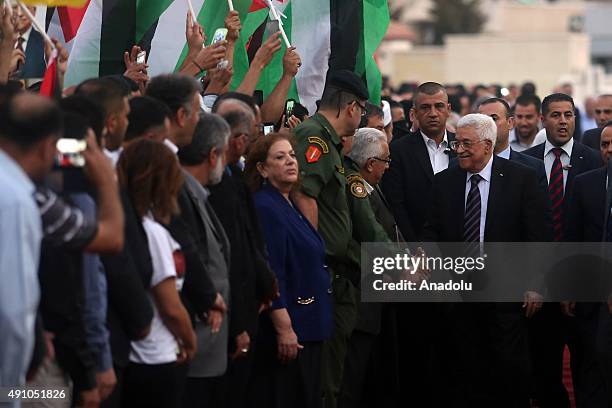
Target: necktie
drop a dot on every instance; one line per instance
(555, 192)
(471, 224)
(20, 42)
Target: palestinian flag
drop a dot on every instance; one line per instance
(110, 27)
(63, 23)
(329, 35)
(50, 86)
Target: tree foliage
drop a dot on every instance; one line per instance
(456, 17)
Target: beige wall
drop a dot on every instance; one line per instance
(509, 16)
(545, 59)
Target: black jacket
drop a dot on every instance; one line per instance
(582, 160)
(128, 277)
(586, 210)
(407, 184)
(251, 279)
(592, 138)
(515, 210)
(199, 292)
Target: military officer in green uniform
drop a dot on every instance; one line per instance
(369, 155)
(322, 199)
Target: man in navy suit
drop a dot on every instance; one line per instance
(416, 158)
(603, 114)
(407, 184)
(31, 43)
(563, 159)
(487, 198)
(586, 222)
(499, 110)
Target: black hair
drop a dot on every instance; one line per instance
(27, 125)
(528, 88)
(556, 97)
(108, 92)
(529, 99)
(498, 100)
(429, 88)
(249, 100)
(145, 114)
(75, 126)
(174, 90)
(89, 109)
(299, 111)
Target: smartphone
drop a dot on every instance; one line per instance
(272, 27)
(258, 96)
(289, 110)
(268, 128)
(219, 35)
(70, 153)
(141, 57)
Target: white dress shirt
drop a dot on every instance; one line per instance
(113, 155)
(549, 159)
(483, 187)
(438, 155)
(505, 153)
(26, 38)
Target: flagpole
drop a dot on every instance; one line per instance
(193, 15)
(9, 8)
(280, 23)
(35, 24)
(231, 5)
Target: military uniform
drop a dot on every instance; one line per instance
(366, 228)
(319, 152)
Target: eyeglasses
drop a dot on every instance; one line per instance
(386, 161)
(467, 145)
(363, 108)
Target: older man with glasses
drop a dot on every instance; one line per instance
(365, 164)
(485, 190)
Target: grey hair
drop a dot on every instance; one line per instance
(366, 144)
(483, 125)
(211, 132)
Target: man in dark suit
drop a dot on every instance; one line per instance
(31, 43)
(407, 185)
(586, 204)
(586, 221)
(416, 158)
(249, 271)
(202, 161)
(563, 159)
(487, 199)
(603, 114)
(499, 110)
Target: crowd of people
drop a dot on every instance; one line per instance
(159, 249)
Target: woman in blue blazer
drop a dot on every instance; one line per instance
(292, 332)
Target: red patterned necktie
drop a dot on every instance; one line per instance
(555, 192)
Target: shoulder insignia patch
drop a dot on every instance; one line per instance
(313, 153)
(318, 141)
(358, 189)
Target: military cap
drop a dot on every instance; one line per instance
(348, 81)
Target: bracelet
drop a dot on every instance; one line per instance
(197, 65)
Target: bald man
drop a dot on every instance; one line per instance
(603, 114)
